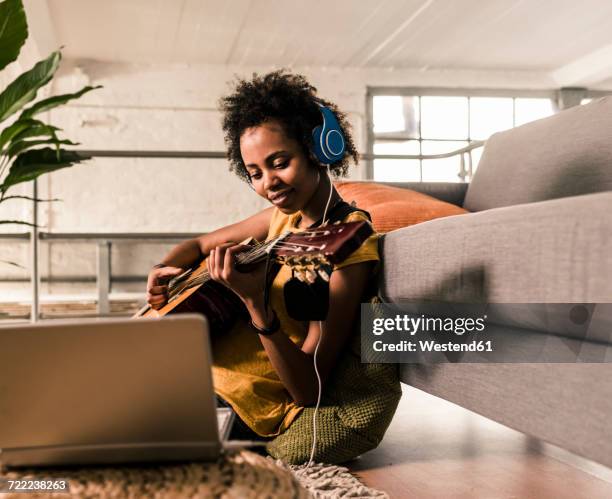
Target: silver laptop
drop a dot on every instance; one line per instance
(106, 391)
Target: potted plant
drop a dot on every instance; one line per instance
(29, 147)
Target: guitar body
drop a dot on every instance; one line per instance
(220, 305)
(169, 307)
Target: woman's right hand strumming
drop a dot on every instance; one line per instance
(157, 285)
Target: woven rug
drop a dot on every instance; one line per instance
(240, 475)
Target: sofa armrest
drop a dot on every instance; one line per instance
(550, 251)
(451, 192)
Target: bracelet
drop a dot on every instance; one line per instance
(158, 266)
(270, 330)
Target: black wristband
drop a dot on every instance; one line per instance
(158, 266)
(270, 330)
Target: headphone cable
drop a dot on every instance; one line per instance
(314, 416)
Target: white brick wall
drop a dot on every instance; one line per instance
(173, 108)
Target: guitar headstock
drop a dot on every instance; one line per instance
(314, 251)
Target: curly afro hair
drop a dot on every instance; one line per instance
(290, 100)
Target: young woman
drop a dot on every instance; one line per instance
(264, 369)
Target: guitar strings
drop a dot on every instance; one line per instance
(254, 255)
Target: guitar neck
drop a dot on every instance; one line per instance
(199, 275)
(309, 253)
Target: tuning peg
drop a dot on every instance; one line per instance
(324, 275)
(310, 275)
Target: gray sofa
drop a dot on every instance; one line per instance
(540, 232)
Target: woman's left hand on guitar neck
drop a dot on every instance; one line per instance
(248, 286)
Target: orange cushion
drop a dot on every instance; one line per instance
(393, 207)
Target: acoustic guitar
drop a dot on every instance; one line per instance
(311, 255)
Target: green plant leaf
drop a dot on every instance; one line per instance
(17, 147)
(13, 31)
(31, 164)
(23, 89)
(16, 128)
(18, 222)
(38, 129)
(51, 102)
(29, 198)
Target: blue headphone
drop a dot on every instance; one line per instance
(328, 141)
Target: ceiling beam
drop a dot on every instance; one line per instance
(396, 32)
(587, 70)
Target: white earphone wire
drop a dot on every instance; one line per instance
(331, 190)
(314, 417)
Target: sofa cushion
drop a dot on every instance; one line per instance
(557, 251)
(393, 207)
(567, 154)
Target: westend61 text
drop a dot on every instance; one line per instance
(433, 346)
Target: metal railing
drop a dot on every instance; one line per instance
(104, 241)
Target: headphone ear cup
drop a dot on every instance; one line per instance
(316, 145)
(328, 140)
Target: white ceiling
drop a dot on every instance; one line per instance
(570, 39)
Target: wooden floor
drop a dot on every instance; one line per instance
(436, 449)
(53, 309)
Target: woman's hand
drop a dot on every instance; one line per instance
(157, 285)
(249, 286)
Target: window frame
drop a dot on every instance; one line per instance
(373, 91)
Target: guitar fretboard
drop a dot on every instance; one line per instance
(187, 280)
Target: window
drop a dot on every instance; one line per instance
(439, 121)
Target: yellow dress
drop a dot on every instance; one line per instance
(242, 372)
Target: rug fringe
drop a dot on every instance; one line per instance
(328, 481)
